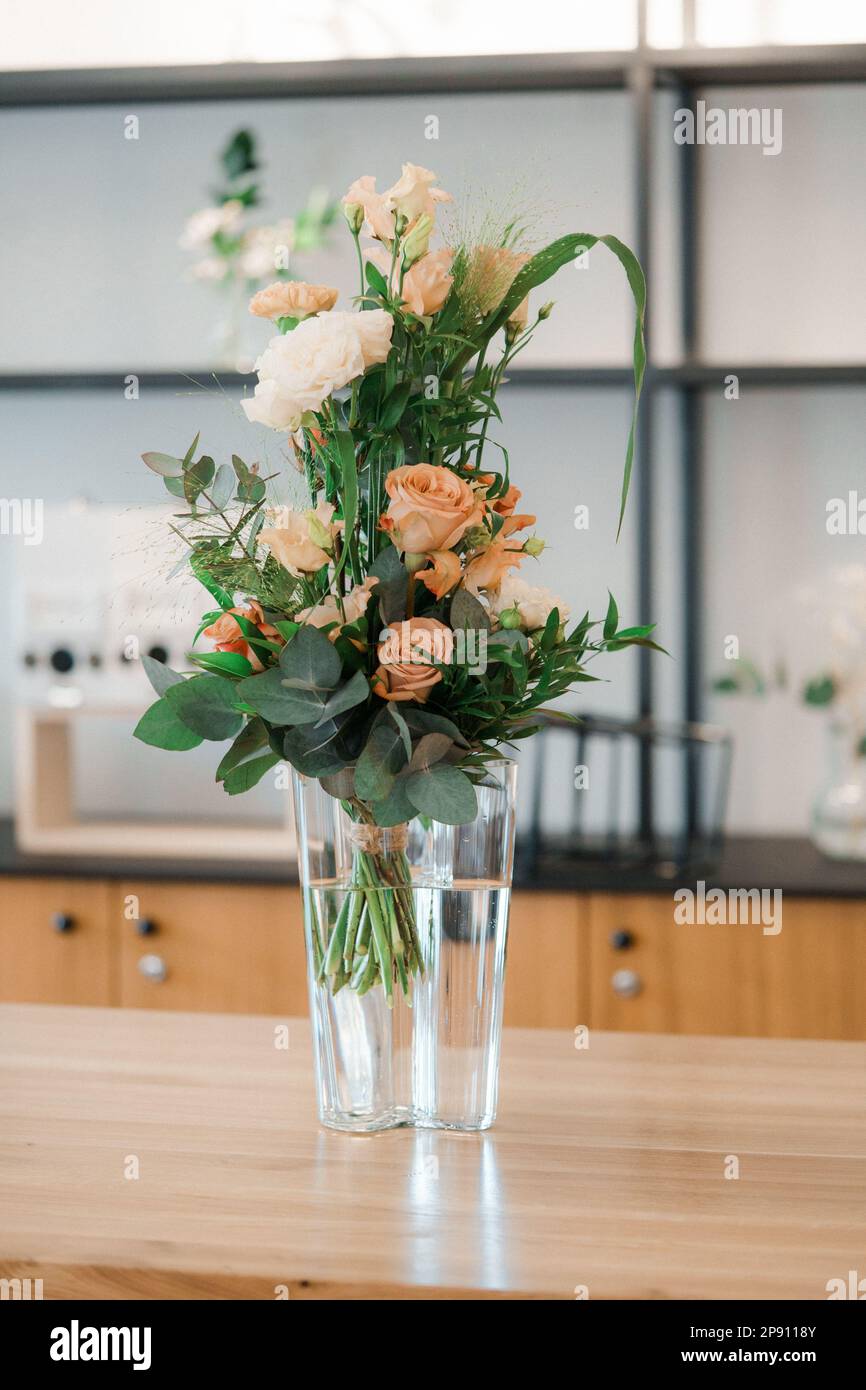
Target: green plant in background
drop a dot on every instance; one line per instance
(234, 251)
(385, 642)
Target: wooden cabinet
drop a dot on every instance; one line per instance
(545, 986)
(216, 948)
(56, 944)
(808, 981)
(611, 961)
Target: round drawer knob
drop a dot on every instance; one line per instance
(153, 968)
(145, 927)
(61, 921)
(621, 939)
(626, 983)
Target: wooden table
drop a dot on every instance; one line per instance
(606, 1170)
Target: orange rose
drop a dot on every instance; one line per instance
(228, 637)
(405, 672)
(444, 574)
(430, 508)
(488, 567)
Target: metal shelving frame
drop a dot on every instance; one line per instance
(640, 72)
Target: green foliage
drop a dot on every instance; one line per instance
(207, 705)
(161, 728)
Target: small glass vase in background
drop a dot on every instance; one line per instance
(839, 812)
(406, 933)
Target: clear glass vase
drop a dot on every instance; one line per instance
(839, 812)
(406, 932)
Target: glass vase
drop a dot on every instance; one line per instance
(839, 812)
(406, 933)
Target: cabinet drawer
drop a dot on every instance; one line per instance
(545, 986)
(211, 947)
(55, 942)
(807, 981)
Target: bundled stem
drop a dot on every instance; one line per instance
(374, 939)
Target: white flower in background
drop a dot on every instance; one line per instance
(266, 250)
(211, 268)
(299, 370)
(203, 226)
(532, 603)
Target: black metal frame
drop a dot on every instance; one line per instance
(641, 72)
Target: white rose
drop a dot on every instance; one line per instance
(374, 328)
(533, 604)
(267, 406)
(299, 370)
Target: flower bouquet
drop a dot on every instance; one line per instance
(382, 637)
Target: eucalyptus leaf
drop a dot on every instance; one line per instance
(395, 808)
(248, 774)
(207, 705)
(352, 693)
(393, 578)
(269, 696)
(467, 613)
(315, 752)
(382, 758)
(160, 727)
(223, 487)
(428, 751)
(164, 464)
(341, 785)
(425, 721)
(160, 675)
(309, 660)
(252, 737)
(444, 793)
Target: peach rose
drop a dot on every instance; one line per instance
(487, 568)
(378, 212)
(413, 193)
(430, 508)
(405, 672)
(228, 637)
(444, 574)
(426, 285)
(292, 299)
(326, 612)
(297, 541)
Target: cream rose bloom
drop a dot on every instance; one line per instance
(413, 193)
(292, 299)
(430, 508)
(299, 370)
(532, 603)
(378, 213)
(294, 539)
